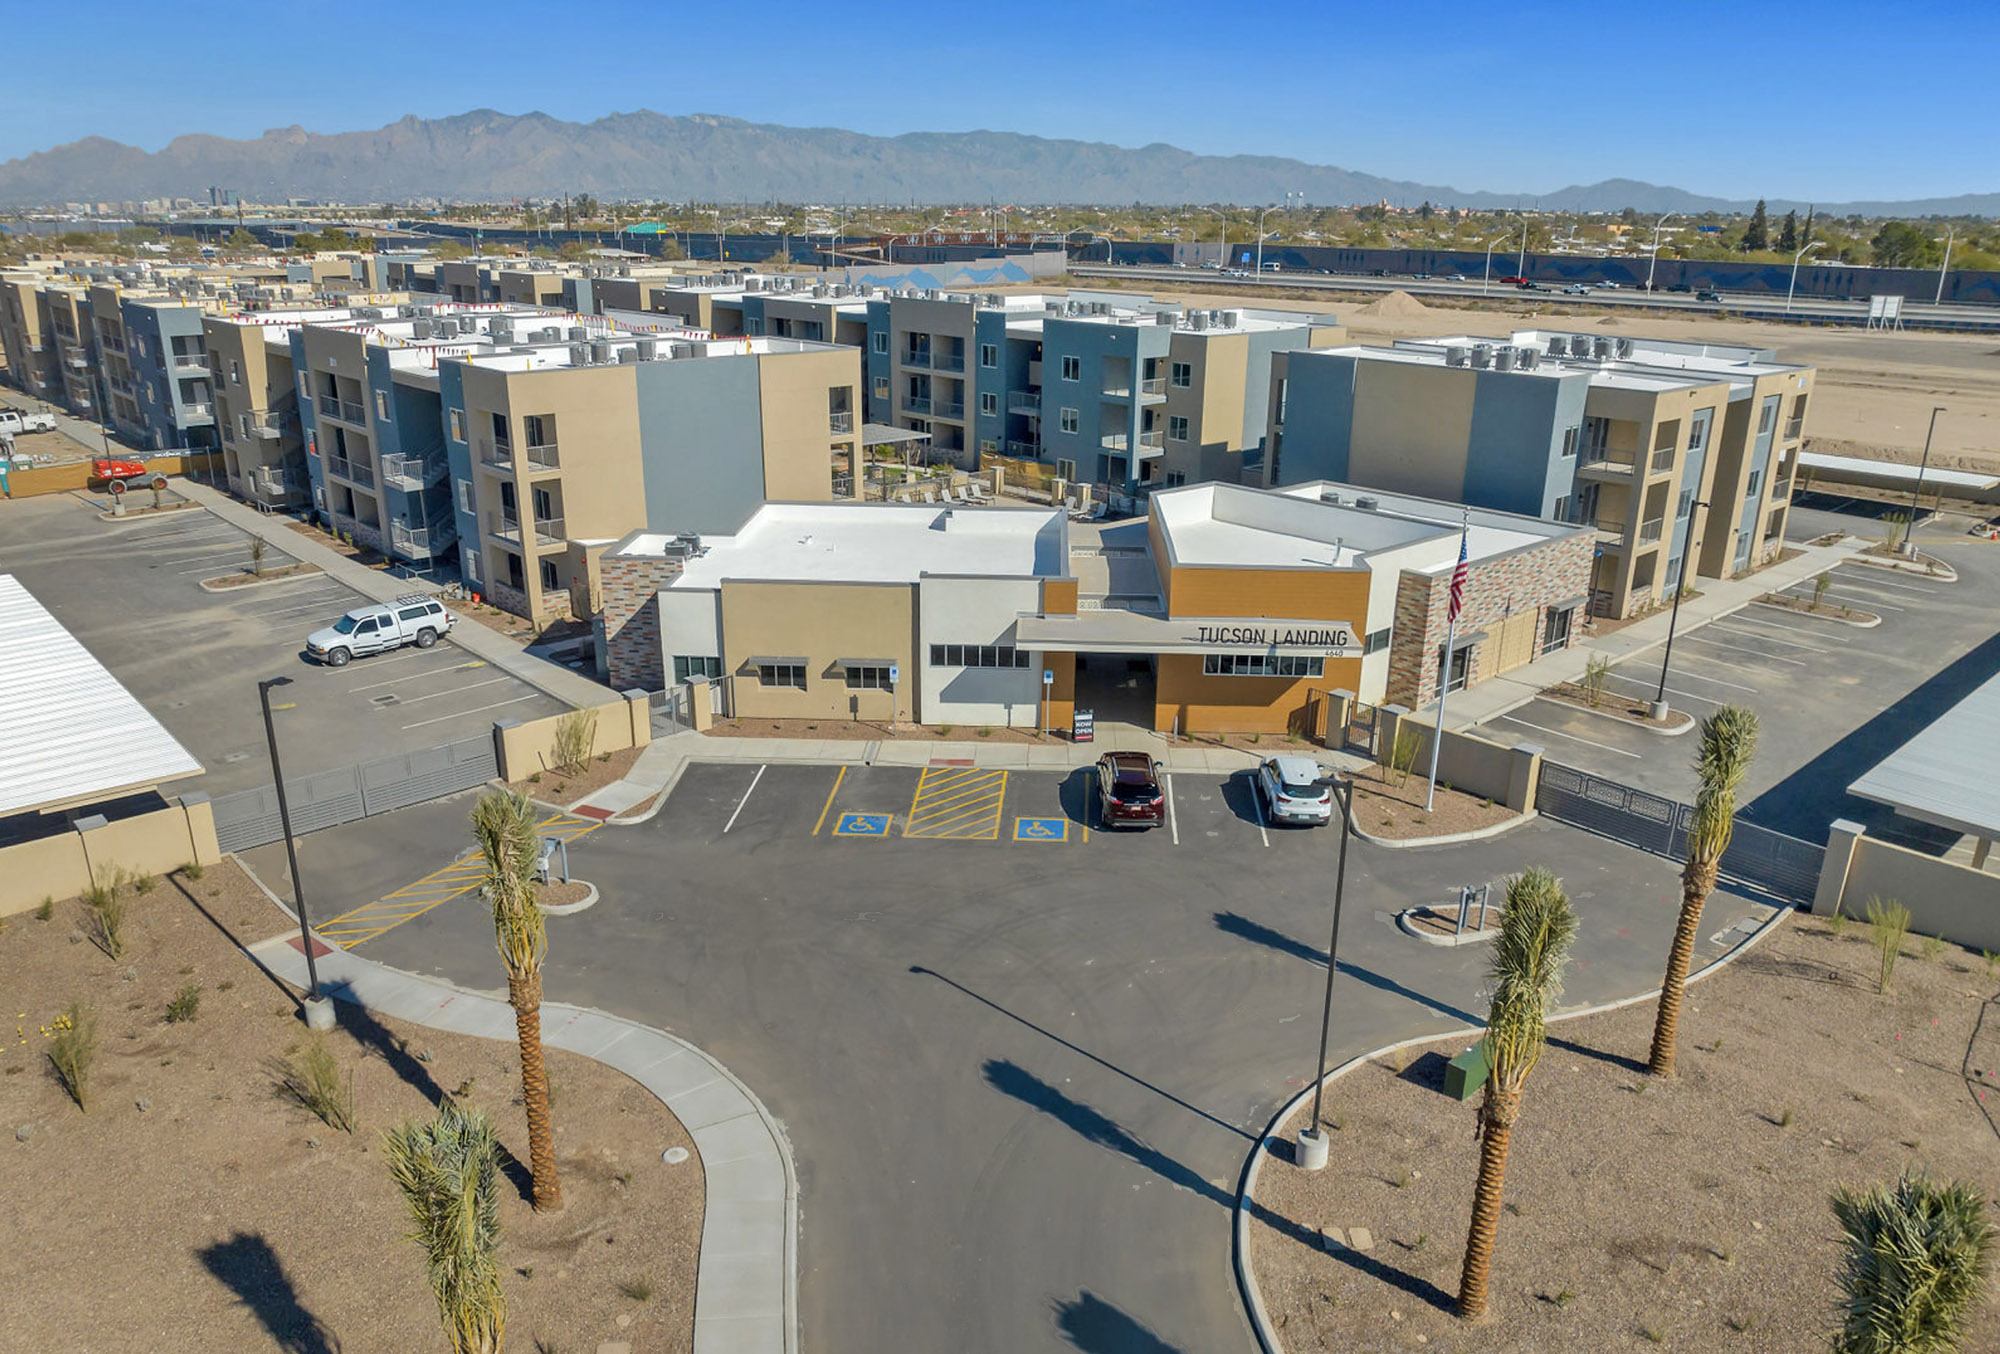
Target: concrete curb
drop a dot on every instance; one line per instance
(310, 571)
(746, 1295)
(1640, 725)
(1246, 1189)
(1869, 624)
(589, 900)
(1477, 834)
(1945, 573)
(1404, 925)
(145, 514)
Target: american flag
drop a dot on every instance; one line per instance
(1458, 579)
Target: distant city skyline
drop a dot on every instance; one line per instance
(1533, 99)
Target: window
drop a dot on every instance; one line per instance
(1072, 369)
(1561, 513)
(989, 354)
(1570, 436)
(305, 386)
(1176, 478)
(989, 403)
(1377, 641)
(1177, 428)
(549, 581)
(472, 567)
(1756, 483)
(978, 656)
(1068, 421)
(235, 372)
(988, 447)
(1767, 418)
(1183, 374)
(502, 434)
(1555, 630)
(1453, 675)
(414, 613)
(1066, 470)
(539, 429)
(457, 420)
(1261, 665)
(465, 503)
(696, 665)
(880, 340)
(869, 679)
(382, 405)
(1686, 504)
(881, 387)
(791, 675)
(1698, 431)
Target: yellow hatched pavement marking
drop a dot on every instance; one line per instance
(957, 803)
(435, 889)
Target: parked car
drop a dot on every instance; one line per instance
(1459, 277)
(412, 619)
(1576, 289)
(1708, 294)
(1680, 287)
(16, 421)
(1128, 791)
(1295, 790)
(1608, 286)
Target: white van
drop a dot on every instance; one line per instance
(15, 422)
(413, 619)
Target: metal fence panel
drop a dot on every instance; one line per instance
(326, 799)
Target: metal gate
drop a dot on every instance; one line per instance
(671, 711)
(1359, 735)
(1782, 866)
(326, 799)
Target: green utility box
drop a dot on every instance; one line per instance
(1465, 1074)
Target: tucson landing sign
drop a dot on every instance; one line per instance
(1319, 638)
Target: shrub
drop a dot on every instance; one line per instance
(575, 732)
(185, 1004)
(1820, 585)
(47, 908)
(143, 883)
(192, 870)
(105, 922)
(313, 1079)
(638, 1289)
(1888, 920)
(1403, 752)
(1930, 947)
(1915, 1265)
(258, 547)
(72, 1050)
(1595, 671)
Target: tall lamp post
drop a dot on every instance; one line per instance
(1910, 531)
(1659, 710)
(318, 1009)
(1486, 280)
(1312, 1149)
(1950, 232)
(1655, 261)
(1221, 236)
(1794, 286)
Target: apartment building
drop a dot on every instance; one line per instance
(25, 340)
(67, 309)
(1127, 393)
(1669, 451)
(257, 401)
(156, 343)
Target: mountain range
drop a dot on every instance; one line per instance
(485, 155)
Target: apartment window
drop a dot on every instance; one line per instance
(456, 418)
(989, 403)
(1182, 374)
(989, 354)
(502, 434)
(791, 675)
(549, 580)
(1177, 428)
(1570, 436)
(1068, 420)
(880, 339)
(696, 665)
(382, 405)
(539, 429)
(869, 679)
(1561, 513)
(1555, 630)
(1698, 431)
(881, 387)
(305, 386)
(1756, 483)
(472, 567)
(1176, 478)
(1686, 504)
(978, 656)
(988, 447)
(235, 372)
(1072, 369)
(1261, 665)
(1767, 418)
(1066, 470)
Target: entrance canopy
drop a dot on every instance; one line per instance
(1946, 774)
(1136, 632)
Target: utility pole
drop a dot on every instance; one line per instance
(1910, 531)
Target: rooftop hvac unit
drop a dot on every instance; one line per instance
(404, 312)
(1558, 345)
(1231, 318)
(1624, 347)
(1367, 504)
(1528, 359)
(648, 349)
(1215, 318)
(683, 349)
(821, 289)
(1482, 355)
(579, 354)
(552, 334)
(420, 329)
(1163, 317)
(1329, 496)
(577, 333)
(1455, 355)
(1603, 348)
(1503, 360)
(626, 355)
(1198, 320)
(600, 351)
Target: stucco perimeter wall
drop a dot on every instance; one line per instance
(1504, 775)
(525, 749)
(1955, 902)
(60, 865)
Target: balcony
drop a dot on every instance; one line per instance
(272, 482)
(947, 361)
(1024, 402)
(347, 411)
(1795, 428)
(1662, 462)
(354, 472)
(954, 409)
(77, 362)
(917, 404)
(1651, 530)
(1154, 385)
(267, 423)
(1604, 461)
(541, 456)
(196, 414)
(1149, 444)
(190, 361)
(840, 423)
(421, 542)
(506, 527)
(412, 473)
(1610, 532)
(916, 357)
(1027, 451)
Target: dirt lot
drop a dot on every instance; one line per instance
(195, 1207)
(557, 787)
(1689, 1214)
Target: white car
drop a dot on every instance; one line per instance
(413, 619)
(1295, 790)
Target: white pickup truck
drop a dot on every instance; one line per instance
(412, 619)
(16, 421)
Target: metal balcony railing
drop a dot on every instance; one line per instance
(507, 526)
(916, 404)
(355, 472)
(1024, 450)
(1606, 457)
(1652, 529)
(1795, 428)
(948, 409)
(1153, 385)
(495, 453)
(347, 411)
(1024, 402)
(840, 422)
(916, 357)
(198, 413)
(191, 361)
(414, 472)
(947, 361)
(265, 423)
(541, 456)
(1663, 459)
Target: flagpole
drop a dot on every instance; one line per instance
(1444, 675)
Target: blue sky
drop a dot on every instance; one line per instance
(1834, 101)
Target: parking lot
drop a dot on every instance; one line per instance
(1020, 1059)
(131, 593)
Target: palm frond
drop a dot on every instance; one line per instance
(1916, 1259)
(504, 825)
(1536, 932)
(448, 1171)
(1728, 742)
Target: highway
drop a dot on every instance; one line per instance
(1748, 305)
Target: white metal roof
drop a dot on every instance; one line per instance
(69, 731)
(1835, 467)
(1945, 774)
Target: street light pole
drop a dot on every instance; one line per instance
(1655, 261)
(1312, 1149)
(1521, 268)
(1260, 239)
(1487, 280)
(318, 1010)
(1949, 232)
(1910, 531)
(1659, 710)
(1810, 246)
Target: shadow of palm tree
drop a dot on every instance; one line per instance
(1095, 1326)
(251, 1270)
(1242, 927)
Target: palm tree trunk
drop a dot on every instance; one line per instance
(525, 993)
(1667, 1025)
(1496, 1132)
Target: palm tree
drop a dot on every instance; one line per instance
(1528, 958)
(1728, 741)
(504, 823)
(1916, 1260)
(448, 1170)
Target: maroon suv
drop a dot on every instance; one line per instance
(1128, 791)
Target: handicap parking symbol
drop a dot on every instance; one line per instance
(862, 825)
(1041, 829)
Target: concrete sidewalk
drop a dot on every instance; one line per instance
(382, 586)
(746, 1298)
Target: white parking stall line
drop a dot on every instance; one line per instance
(207, 563)
(454, 691)
(1737, 626)
(1922, 590)
(1558, 733)
(745, 800)
(1686, 675)
(296, 605)
(378, 662)
(1654, 685)
(1173, 820)
(419, 676)
(1838, 591)
(439, 719)
(1701, 638)
(179, 552)
(1257, 803)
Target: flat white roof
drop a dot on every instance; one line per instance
(1894, 470)
(1945, 775)
(875, 543)
(70, 733)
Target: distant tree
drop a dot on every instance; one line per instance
(1898, 244)
(241, 239)
(1757, 235)
(1425, 210)
(1788, 232)
(1806, 231)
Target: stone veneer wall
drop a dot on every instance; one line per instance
(631, 589)
(1495, 590)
